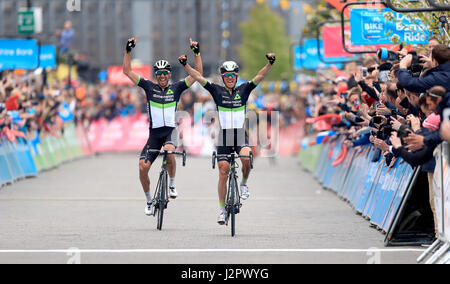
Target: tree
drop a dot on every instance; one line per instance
(265, 32)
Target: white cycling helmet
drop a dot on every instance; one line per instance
(229, 66)
(162, 65)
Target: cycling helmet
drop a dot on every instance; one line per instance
(162, 65)
(229, 66)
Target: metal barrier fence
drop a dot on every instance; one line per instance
(439, 252)
(26, 158)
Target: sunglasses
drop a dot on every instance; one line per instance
(159, 73)
(227, 75)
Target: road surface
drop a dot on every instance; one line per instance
(92, 211)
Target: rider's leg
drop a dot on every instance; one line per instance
(144, 169)
(171, 142)
(245, 151)
(224, 169)
(171, 162)
(246, 168)
(171, 168)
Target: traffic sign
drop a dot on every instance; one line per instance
(29, 21)
(25, 24)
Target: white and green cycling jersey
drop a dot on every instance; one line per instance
(232, 108)
(162, 103)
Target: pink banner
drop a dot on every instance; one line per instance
(131, 134)
(116, 76)
(120, 134)
(290, 139)
(332, 43)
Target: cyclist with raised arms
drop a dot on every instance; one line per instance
(231, 102)
(162, 99)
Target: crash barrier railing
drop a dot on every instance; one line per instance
(379, 193)
(439, 251)
(21, 158)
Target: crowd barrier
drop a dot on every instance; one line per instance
(21, 158)
(360, 177)
(439, 252)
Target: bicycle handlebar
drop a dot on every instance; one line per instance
(235, 155)
(216, 156)
(164, 152)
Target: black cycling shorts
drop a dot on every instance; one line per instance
(231, 141)
(158, 138)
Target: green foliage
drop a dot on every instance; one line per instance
(263, 33)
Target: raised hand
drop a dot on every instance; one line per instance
(195, 46)
(271, 57)
(131, 43)
(183, 60)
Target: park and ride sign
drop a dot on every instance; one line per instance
(384, 26)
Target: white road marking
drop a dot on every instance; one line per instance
(214, 251)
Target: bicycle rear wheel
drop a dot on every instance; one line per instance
(162, 200)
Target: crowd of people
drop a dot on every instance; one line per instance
(394, 100)
(27, 104)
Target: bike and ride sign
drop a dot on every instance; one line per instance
(384, 26)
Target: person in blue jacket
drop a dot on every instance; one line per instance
(437, 76)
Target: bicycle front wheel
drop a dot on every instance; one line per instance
(162, 200)
(232, 205)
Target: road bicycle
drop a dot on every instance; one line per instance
(233, 202)
(161, 197)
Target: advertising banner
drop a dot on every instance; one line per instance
(372, 26)
(116, 76)
(18, 54)
(332, 43)
(307, 56)
(48, 56)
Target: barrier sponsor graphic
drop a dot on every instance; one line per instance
(374, 190)
(20, 158)
(371, 26)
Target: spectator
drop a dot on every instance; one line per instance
(437, 76)
(66, 38)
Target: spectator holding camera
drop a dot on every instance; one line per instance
(439, 75)
(436, 101)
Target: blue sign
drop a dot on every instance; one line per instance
(306, 56)
(48, 56)
(18, 54)
(370, 27)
